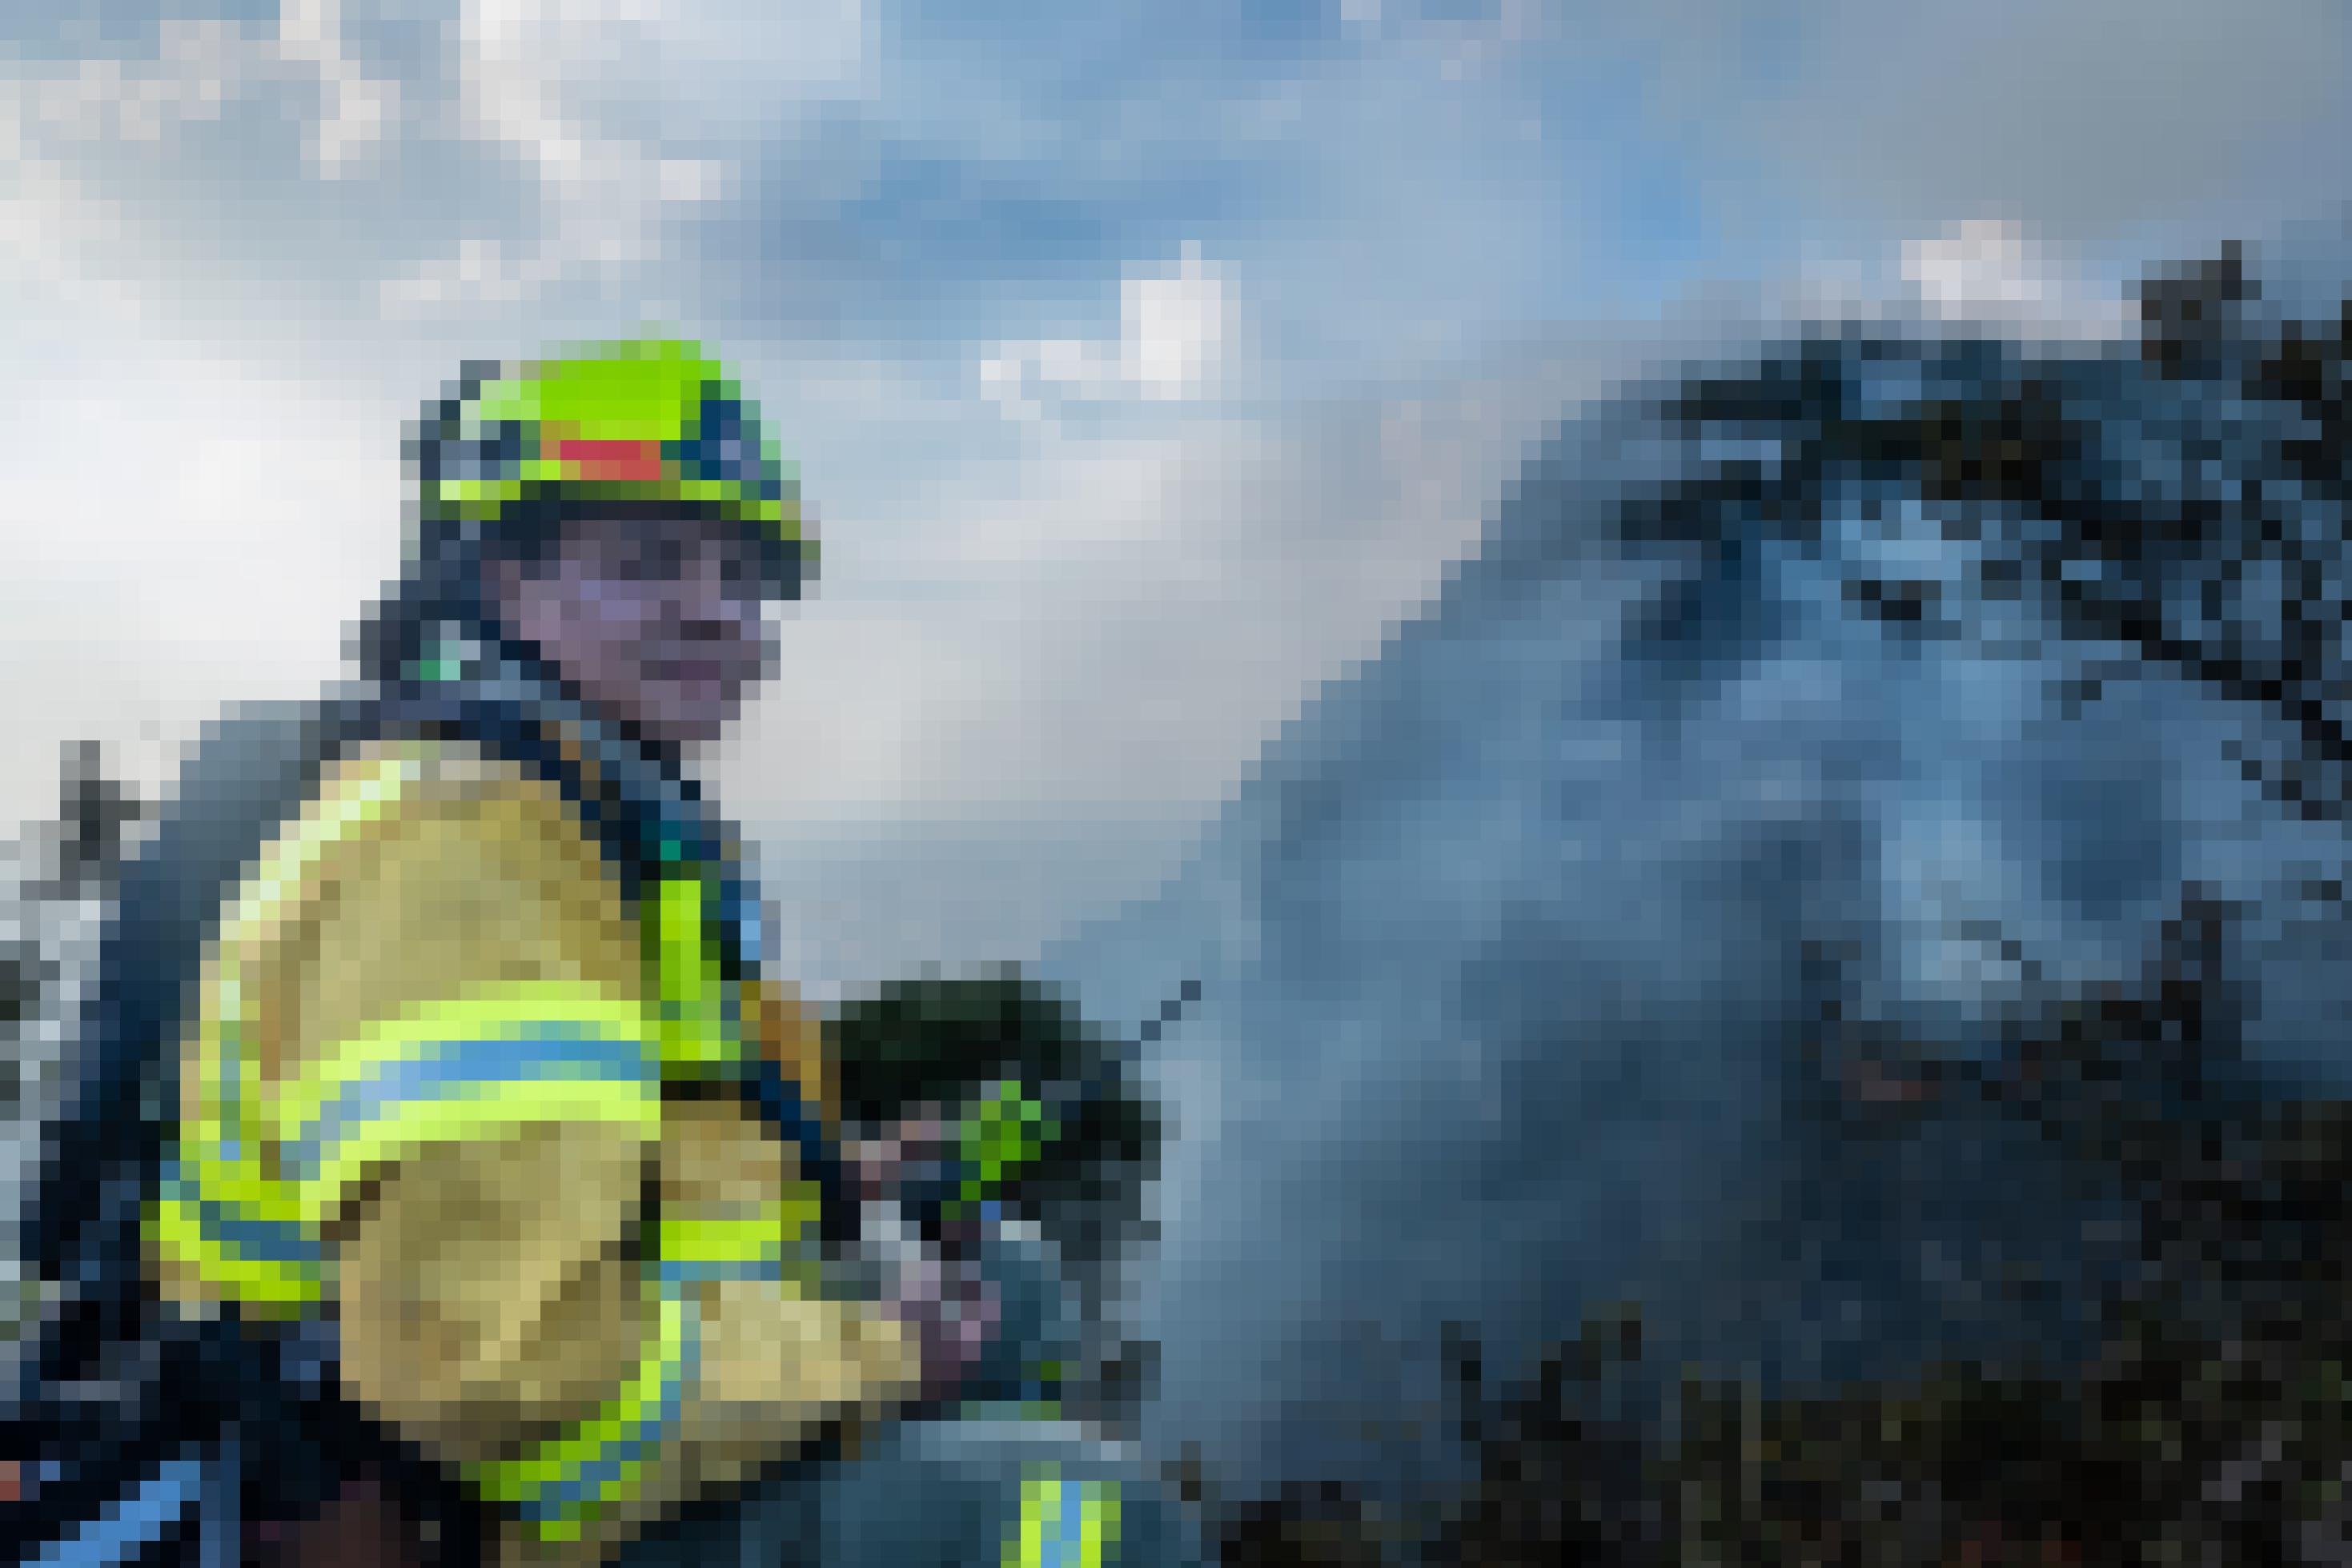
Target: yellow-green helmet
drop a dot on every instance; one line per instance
(641, 423)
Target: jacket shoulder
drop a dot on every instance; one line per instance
(418, 872)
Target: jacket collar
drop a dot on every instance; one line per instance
(647, 816)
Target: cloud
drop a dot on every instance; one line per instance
(2132, 123)
(1099, 507)
(181, 535)
(60, 126)
(201, 66)
(357, 113)
(1992, 271)
(592, 97)
(505, 151)
(1452, 170)
(136, 180)
(1995, 276)
(1012, 701)
(1178, 342)
(198, 67)
(1113, 622)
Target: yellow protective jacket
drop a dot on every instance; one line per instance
(449, 1083)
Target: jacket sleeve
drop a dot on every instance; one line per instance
(426, 1089)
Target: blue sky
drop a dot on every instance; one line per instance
(1143, 360)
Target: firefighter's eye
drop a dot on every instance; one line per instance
(644, 559)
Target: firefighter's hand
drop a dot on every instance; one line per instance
(950, 1310)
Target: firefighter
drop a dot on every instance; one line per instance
(445, 1167)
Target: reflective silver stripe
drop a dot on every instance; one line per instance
(133, 1523)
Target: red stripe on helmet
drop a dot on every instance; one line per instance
(612, 459)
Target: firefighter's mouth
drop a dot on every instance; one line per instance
(693, 672)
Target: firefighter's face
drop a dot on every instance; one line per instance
(658, 620)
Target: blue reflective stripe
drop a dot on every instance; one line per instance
(261, 1240)
(600, 1474)
(258, 1241)
(675, 1273)
(131, 1525)
(1069, 1519)
(544, 1052)
(231, 1091)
